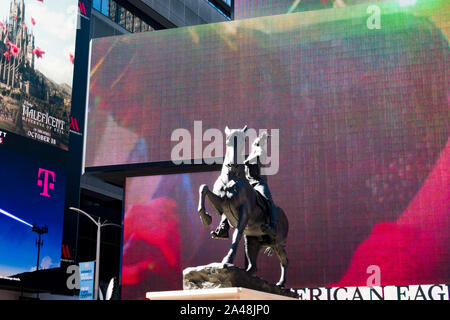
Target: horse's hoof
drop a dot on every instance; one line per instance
(227, 264)
(227, 260)
(205, 218)
(251, 270)
(280, 285)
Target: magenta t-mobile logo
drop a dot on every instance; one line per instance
(46, 183)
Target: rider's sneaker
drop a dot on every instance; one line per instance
(221, 232)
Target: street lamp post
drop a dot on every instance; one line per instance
(39, 243)
(97, 254)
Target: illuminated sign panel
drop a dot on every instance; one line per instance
(363, 121)
(37, 47)
(37, 58)
(87, 280)
(32, 193)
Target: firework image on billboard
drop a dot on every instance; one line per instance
(363, 120)
(37, 43)
(32, 194)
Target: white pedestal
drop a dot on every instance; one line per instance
(215, 294)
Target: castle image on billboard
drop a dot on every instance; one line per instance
(31, 103)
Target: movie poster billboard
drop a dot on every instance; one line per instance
(37, 47)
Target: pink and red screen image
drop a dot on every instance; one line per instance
(363, 120)
(163, 235)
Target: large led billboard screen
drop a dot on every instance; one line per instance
(272, 72)
(361, 105)
(32, 194)
(329, 245)
(37, 59)
(37, 48)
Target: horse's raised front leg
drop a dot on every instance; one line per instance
(237, 234)
(213, 199)
(204, 216)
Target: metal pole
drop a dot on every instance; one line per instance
(235, 142)
(39, 250)
(37, 264)
(97, 261)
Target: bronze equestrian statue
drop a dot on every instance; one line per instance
(241, 197)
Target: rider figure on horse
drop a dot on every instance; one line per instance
(257, 157)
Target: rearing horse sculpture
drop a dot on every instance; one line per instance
(245, 209)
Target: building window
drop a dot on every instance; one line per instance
(112, 11)
(222, 6)
(101, 6)
(121, 16)
(129, 22)
(97, 4)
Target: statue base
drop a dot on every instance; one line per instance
(215, 294)
(220, 275)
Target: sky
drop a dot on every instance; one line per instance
(54, 32)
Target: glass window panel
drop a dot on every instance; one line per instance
(122, 17)
(104, 7)
(97, 4)
(129, 22)
(112, 10)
